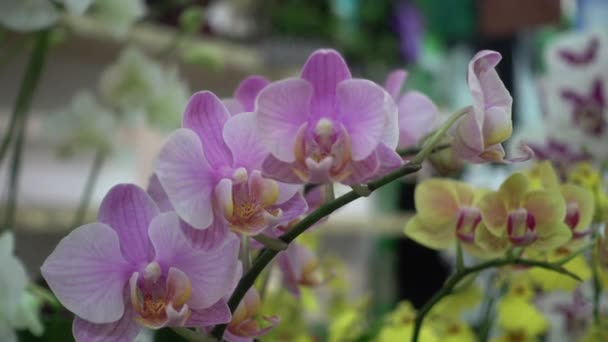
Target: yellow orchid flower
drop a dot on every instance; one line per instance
(399, 326)
(523, 216)
(585, 175)
(553, 281)
(518, 317)
(542, 175)
(455, 330)
(348, 325)
(458, 302)
(446, 212)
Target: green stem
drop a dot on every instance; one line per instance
(448, 287)
(410, 151)
(18, 121)
(87, 193)
(270, 242)
(429, 145)
(266, 255)
(191, 335)
(459, 257)
(44, 294)
(330, 195)
(244, 253)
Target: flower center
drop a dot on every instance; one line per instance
(466, 223)
(160, 300)
(521, 227)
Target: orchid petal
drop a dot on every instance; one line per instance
(364, 109)
(186, 176)
(388, 158)
(205, 114)
(243, 140)
(287, 191)
(394, 82)
(292, 208)
(551, 235)
(248, 90)
(218, 313)
(418, 116)
(493, 245)
(281, 109)
(493, 212)
(123, 330)
(129, 210)
(362, 170)
(211, 271)
(233, 106)
(513, 189)
(436, 201)
(215, 236)
(88, 273)
(437, 238)
(324, 69)
(545, 206)
(158, 194)
(280, 170)
(585, 204)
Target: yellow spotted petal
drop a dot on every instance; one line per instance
(513, 189)
(493, 213)
(491, 244)
(464, 192)
(545, 206)
(515, 314)
(553, 281)
(455, 330)
(458, 302)
(520, 288)
(551, 235)
(440, 237)
(437, 201)
(584, 203)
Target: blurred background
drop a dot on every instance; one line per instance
(117, 80)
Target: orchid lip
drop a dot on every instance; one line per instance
(521, 227)
(466, 224)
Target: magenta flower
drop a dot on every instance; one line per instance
(479, 134)
(245, 325)
(135, 267)
(210, 170)
(326, 126)
(418, 115)
(299, 267)
(245, 94)
(588, 111)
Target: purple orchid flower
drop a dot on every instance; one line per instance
(326, 126)
(478, 135)
(210, 170)
(244, 326)
(409, 25)
(418, 115)
(581, 58)
(561, 155)
(245, 94)
(135, 268)
(588, 110)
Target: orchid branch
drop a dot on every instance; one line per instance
(448, 287)
(411, 151)
(266, 255)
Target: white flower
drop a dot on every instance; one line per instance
(31, 15)
(136, 84)
(18, 309)
(84, 123)
(118, 15)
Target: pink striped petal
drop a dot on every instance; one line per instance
(187, 178)
(364, 112)
(281, 109)
(156, 191)
(211, 272)
(280, 170)
(218, 313)
(243, 140)
(123, 330)
(248, 90)
(418, 116)
(88, 273)
(206, 115)
(394, 82)
(324, 69)
(129, 211)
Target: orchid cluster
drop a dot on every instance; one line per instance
(231, 182)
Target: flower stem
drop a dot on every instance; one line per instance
(448, 287)
(18, 120)
(411, 151)
(87, 193)
(191, 335)
(270, 242)
(459, 258)
(266, 255)
(244, 255)
(597, 287)
(429, 145)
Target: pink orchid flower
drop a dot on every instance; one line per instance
(245, 94)
(135, 268)
(210, 170)
(418, 115)
(244, 326)
(478, 135)
(326, 126)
